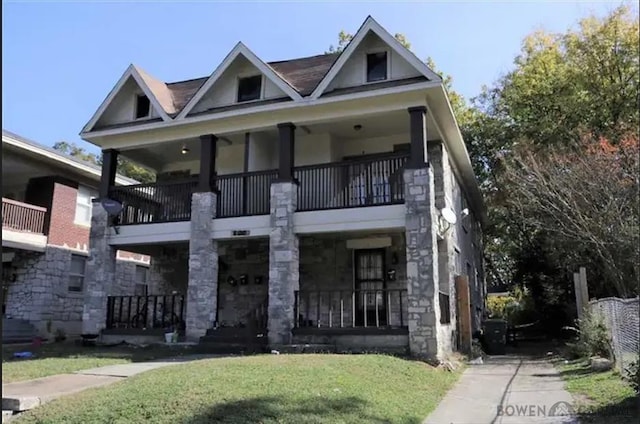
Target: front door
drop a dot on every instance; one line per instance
(369, 285)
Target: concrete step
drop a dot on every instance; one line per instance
(238, 339)
(230, 348)
(233, 331)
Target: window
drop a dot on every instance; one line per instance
(76, 273)
(249, 88)
(143, 106)
(377, 66)
(83, 205)
(142, 273)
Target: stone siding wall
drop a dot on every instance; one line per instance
(248, 257)
(326, 263)
(40, 293)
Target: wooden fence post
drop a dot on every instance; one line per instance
(578, 291)
(463, 312)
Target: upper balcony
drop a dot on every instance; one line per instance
(336, 165)
(23, 225)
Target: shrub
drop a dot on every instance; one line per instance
(632, 375)
(592, 338)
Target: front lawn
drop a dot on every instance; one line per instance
(263, 389)
(600, 396)
(61, 358)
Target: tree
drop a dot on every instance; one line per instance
(584, 199)
(562, 86)
(125, 166)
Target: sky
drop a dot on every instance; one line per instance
(61, 59)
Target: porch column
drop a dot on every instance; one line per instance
(109, 165)
(418, 134)
(284, 277)
(206, 178)
(100, 272)
(202, 289)
(421, 244)
(286, 151)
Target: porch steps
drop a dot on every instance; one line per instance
(17, 331)
(233, 340)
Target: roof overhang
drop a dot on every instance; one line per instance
(50, 156)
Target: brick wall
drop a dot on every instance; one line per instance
(63, 231)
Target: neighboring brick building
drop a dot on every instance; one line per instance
(46, 218)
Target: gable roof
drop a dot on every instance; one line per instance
(90, 169)
(239, 49)
(370, 25)
(157, 92)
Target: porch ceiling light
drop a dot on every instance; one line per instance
(357, 127)
(185, 150)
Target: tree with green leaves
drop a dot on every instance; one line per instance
(125, 166)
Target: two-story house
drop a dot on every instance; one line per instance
(328, 199)
(46, 217)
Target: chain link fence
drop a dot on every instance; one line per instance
(621, 316)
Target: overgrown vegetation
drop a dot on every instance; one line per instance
(632, 375)
(264, 389)
(592, 338)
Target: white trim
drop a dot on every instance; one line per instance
(371, 25)
(306, 102)
(239, 49)
(41, 151)
(132, 72)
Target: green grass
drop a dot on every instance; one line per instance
(263, 389)
(600, 396)
(61, 358)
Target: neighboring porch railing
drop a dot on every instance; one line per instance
(23, 216)
(245, 194)
(351, 308)
(145, 312)
(154, 202)
(352, 183)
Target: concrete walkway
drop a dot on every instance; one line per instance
(24, 395)
(509, 390)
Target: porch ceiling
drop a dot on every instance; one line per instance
(371, 126)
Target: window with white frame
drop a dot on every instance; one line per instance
(142, 275)
(83, 205)
(76, 273)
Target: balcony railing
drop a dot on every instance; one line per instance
(145, 312)
(23, 216)
(351, 183)
(351, 308)
(154, 202)
(244, 194)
